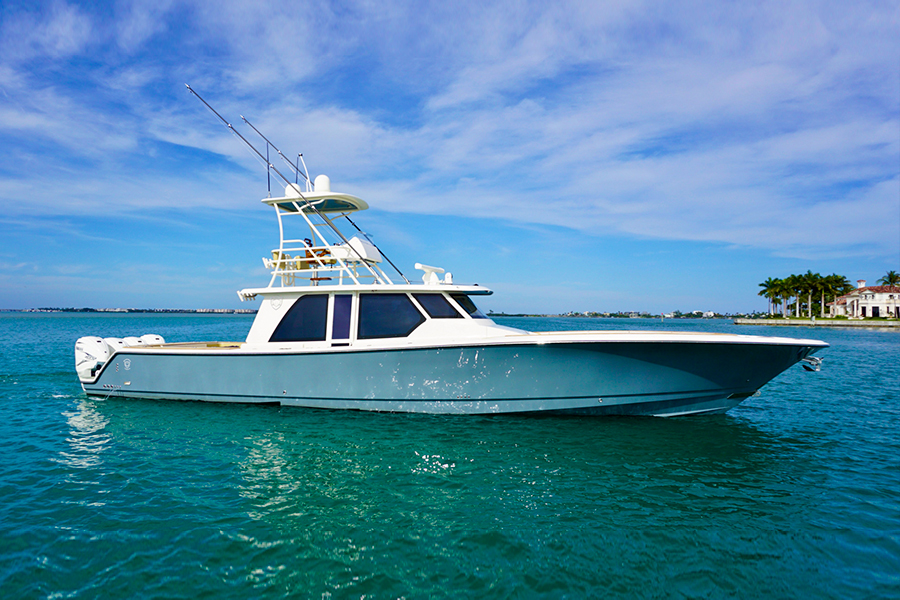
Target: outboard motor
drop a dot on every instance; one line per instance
(91, 353)
(115, 344)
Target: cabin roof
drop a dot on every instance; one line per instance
(406, 288)
(325, 202)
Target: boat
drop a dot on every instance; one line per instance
(335, 331)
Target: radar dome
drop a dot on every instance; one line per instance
(322, 184)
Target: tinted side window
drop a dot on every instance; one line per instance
(340, 321)
(305, 321)
(437, 306)
(387, 315)
(468, 306)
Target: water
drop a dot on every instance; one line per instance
(795, 493)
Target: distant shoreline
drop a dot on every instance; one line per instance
(644, 316)
(817, 322)
(253, 311)
(215, 311)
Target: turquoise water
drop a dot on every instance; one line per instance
(795, 493)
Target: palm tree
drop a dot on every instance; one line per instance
(796, 287)
(770, 291)
(827, 287)
(813, 282)
(843, 285)
(784, 291)
(892, 278)
(776, 302)
(834, 286)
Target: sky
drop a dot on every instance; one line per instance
(571, 156)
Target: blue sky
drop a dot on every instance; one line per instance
(571, 156)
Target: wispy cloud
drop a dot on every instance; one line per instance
(770, 126)
(60, 31)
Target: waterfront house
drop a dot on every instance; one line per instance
(868, 301)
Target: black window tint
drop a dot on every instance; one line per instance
(340, 321)
(305, 321)
(468, 306)
(437, 306)
(387, 315)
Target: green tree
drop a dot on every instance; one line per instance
(891, 278)
(776, 302)
(770, 290)
(826, 286)
(795, 288)
(783, 293)
(810, 283)
(834, 286)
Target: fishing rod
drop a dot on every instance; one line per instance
(366, 235)
(290, 185)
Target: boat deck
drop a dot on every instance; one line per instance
(193, 345)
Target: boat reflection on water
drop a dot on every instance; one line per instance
(88, 437)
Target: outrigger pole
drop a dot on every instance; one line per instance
(243, 139)
(285, 179)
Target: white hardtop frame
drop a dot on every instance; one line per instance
(327, 258)
(326, 255)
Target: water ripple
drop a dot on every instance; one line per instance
(794, 493)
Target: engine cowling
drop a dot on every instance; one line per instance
(91, 353)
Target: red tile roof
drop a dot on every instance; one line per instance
(879, 289)
(874, 289)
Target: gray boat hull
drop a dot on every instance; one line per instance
(662, 379)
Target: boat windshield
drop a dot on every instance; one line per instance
(437, 306)
(469, 306)
(387, 315)
(305, 321)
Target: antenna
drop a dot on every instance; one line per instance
(300, 158)
(274, 147)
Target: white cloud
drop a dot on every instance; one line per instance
(268, 47)
(62, 31)
(691, 121)
(139, 20)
